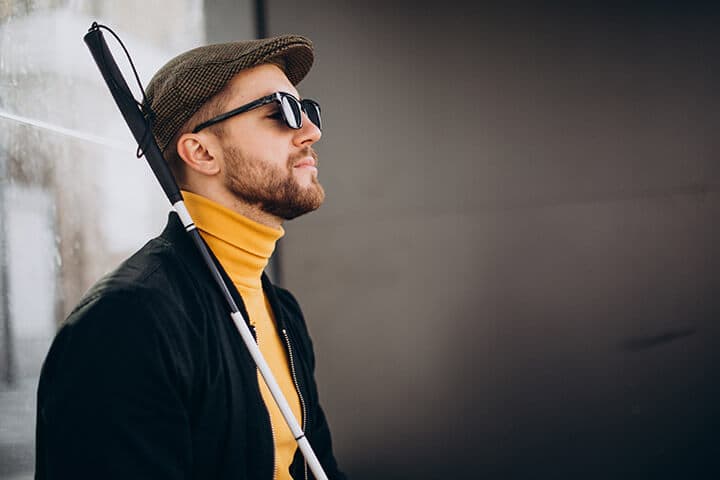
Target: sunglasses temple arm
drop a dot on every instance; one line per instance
(224, 116)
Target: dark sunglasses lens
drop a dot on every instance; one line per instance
(291, 112)
(313, 112)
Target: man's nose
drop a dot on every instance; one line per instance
(309, 133)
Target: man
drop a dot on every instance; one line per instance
(149, 378)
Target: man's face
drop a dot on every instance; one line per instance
(264, 162)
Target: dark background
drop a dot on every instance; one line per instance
(514, 273)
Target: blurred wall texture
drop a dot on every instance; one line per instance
(73, 199)
(514, 273)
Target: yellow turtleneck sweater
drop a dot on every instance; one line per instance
(243, 248)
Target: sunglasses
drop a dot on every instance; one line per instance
(290, 107)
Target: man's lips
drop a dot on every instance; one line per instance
(306, 162)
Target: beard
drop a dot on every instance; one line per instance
(272, 188)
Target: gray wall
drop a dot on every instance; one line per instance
(514, 271)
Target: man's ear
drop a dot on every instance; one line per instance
(196, 150)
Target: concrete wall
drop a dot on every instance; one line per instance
(515, 270)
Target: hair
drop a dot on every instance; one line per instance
(212, 108)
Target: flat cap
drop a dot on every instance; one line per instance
(186, 82)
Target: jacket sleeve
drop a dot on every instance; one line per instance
(113, 394)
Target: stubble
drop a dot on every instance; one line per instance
(274, 189)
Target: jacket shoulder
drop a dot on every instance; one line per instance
(157, 272)
(152, 267)
(148, 294)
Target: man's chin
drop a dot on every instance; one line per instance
(305, 200)
(311, 189)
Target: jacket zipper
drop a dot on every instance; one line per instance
(275, 467)
(272, 428)
(297, 388)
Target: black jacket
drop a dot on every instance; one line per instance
(149, 379)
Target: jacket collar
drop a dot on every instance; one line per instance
(175, 234)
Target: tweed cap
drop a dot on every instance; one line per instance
(186, 82)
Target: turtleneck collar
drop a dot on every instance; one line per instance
(242, 246)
